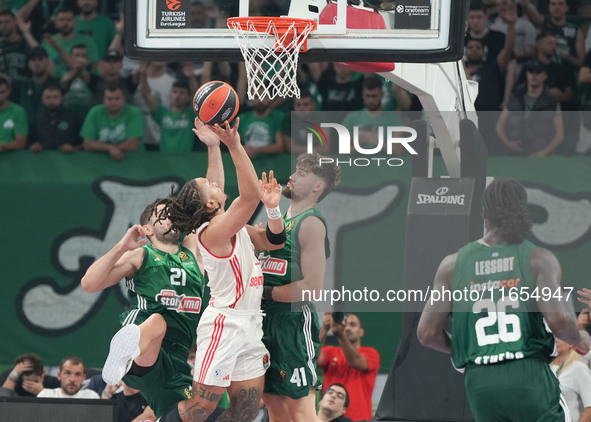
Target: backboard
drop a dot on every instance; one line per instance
(418, 31)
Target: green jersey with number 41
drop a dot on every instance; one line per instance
(171, 285)
(495, 316)
(283, 266)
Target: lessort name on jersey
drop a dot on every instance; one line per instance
(492, 266)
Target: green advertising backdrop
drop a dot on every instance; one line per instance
(60, 212)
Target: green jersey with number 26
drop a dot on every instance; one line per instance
(495, 316)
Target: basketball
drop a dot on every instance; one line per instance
(215, 102)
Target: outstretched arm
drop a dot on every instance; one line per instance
(123, 260)
(221, 229)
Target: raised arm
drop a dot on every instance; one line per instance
(274, 236)
(532, 12)
(215, 165)
(223, 228)
(547, 274)
(123, 260)
(506, 54)
(430, 331)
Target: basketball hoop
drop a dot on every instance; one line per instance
(271, 47)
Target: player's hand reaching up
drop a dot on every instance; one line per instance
(270, 190)
(206, 134)
(134, 238)
(228, 135)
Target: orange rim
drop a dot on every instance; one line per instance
(261, 23)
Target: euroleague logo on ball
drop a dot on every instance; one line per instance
(215, 102)
(173, 4)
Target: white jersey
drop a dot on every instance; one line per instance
(235, 281)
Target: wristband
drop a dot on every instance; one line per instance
(274, 213)
(276, 238)
(13, 376)
(268, 292)
(107, 395)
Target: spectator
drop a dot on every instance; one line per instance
(260, 129)
(350, 364)
(575, 381)
(41, 14)
(71, 375)
(94, 25)
(490, 73)
(66, 38)
(569, 37)
(79, 83)
(113, 127)
(491, 40)
(561, 78)
(198, 15)
(531, 123)
(524, 48)
(27, 91)
(27, 377)
(110, 70)
(372, 119)
(14, 47)
(334, 404)
(303, 109)
(584, 143)
(176, 121)
(131, 404)
(160, 84)
(13, 121)
(54, 127)
(340, 88)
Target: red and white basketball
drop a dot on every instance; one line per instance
(215, 102)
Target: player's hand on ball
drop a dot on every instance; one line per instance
(227, 134)
(205, 133)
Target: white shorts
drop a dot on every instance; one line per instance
(229, 347)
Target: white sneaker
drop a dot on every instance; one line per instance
(124, 349)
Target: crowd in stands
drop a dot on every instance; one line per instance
(65, 84)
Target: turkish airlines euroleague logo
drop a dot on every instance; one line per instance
(173, 4)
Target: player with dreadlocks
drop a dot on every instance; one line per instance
(500, 339)
(230, 354)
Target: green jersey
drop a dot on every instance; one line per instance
(282, 266)
(171, 285)
(101, 29)
(175, 129)
(491, 323)
(13, 121)
(99, 126)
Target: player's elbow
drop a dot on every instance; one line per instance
(88, 285)
(426, 334)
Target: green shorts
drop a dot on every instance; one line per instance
(168, 382)
(523, 390)
(292, 341)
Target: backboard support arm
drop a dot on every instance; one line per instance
(446, 96)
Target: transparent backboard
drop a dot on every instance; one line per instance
(348, 30)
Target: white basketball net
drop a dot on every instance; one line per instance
(271, 57)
